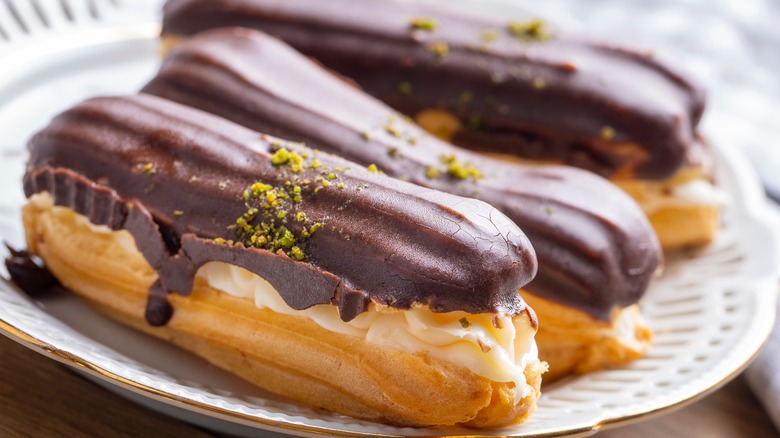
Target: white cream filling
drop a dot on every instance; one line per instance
(697, 192)
(624, 327)
(499, 355)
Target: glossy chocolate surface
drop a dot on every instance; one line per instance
(611, 110)
(31, 277)
(595, 247)
(175, 178)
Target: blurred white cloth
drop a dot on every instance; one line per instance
(733, 47)
(763, 376)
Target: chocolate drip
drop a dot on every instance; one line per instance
(595, 247)
(32, 278)
(154, 167)
(555, 99)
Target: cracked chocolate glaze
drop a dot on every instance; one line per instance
(547, 100)
(595, 247)
(391, 243)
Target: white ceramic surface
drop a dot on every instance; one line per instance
(710, 311)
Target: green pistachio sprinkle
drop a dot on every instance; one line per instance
(178, 213)
(342, 186)
(372, 168)
(423, 23)
(281, 156)
(529, 31)
(607, 133)
(392, 130)
(264, 224)
(149, 169)
(366, 135)
(405, 88)
(488, 36)
(549, 209)
(220, 241)
(474, 122)
(464, 322)
(538, 83)
(465, 98)
(296, 253)
(453, 168)
(439, 48)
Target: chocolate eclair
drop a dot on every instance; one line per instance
(520, 90)
(596, 251)
(302, 272)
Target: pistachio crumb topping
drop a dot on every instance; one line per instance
(423, 23)
(372, 168)
(464, 322)
(529, 31)
(178, 213)
(439, 48)
(465, 98)
(538, 83)
(392, 130)
(549, 209)
(488, 36)
(405, 88)
(149, 169)
(270, 207)
(296, 253)
(474, 122)
(607, 133)
(293, 159)
(366, 135)
(452, 167)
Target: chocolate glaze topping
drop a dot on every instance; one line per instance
(564, 98)
(176, 177)
(595, 247)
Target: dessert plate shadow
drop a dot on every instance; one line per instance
(710, 311)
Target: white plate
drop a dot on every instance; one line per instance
(710, 311)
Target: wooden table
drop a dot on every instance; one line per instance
(40, 398)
